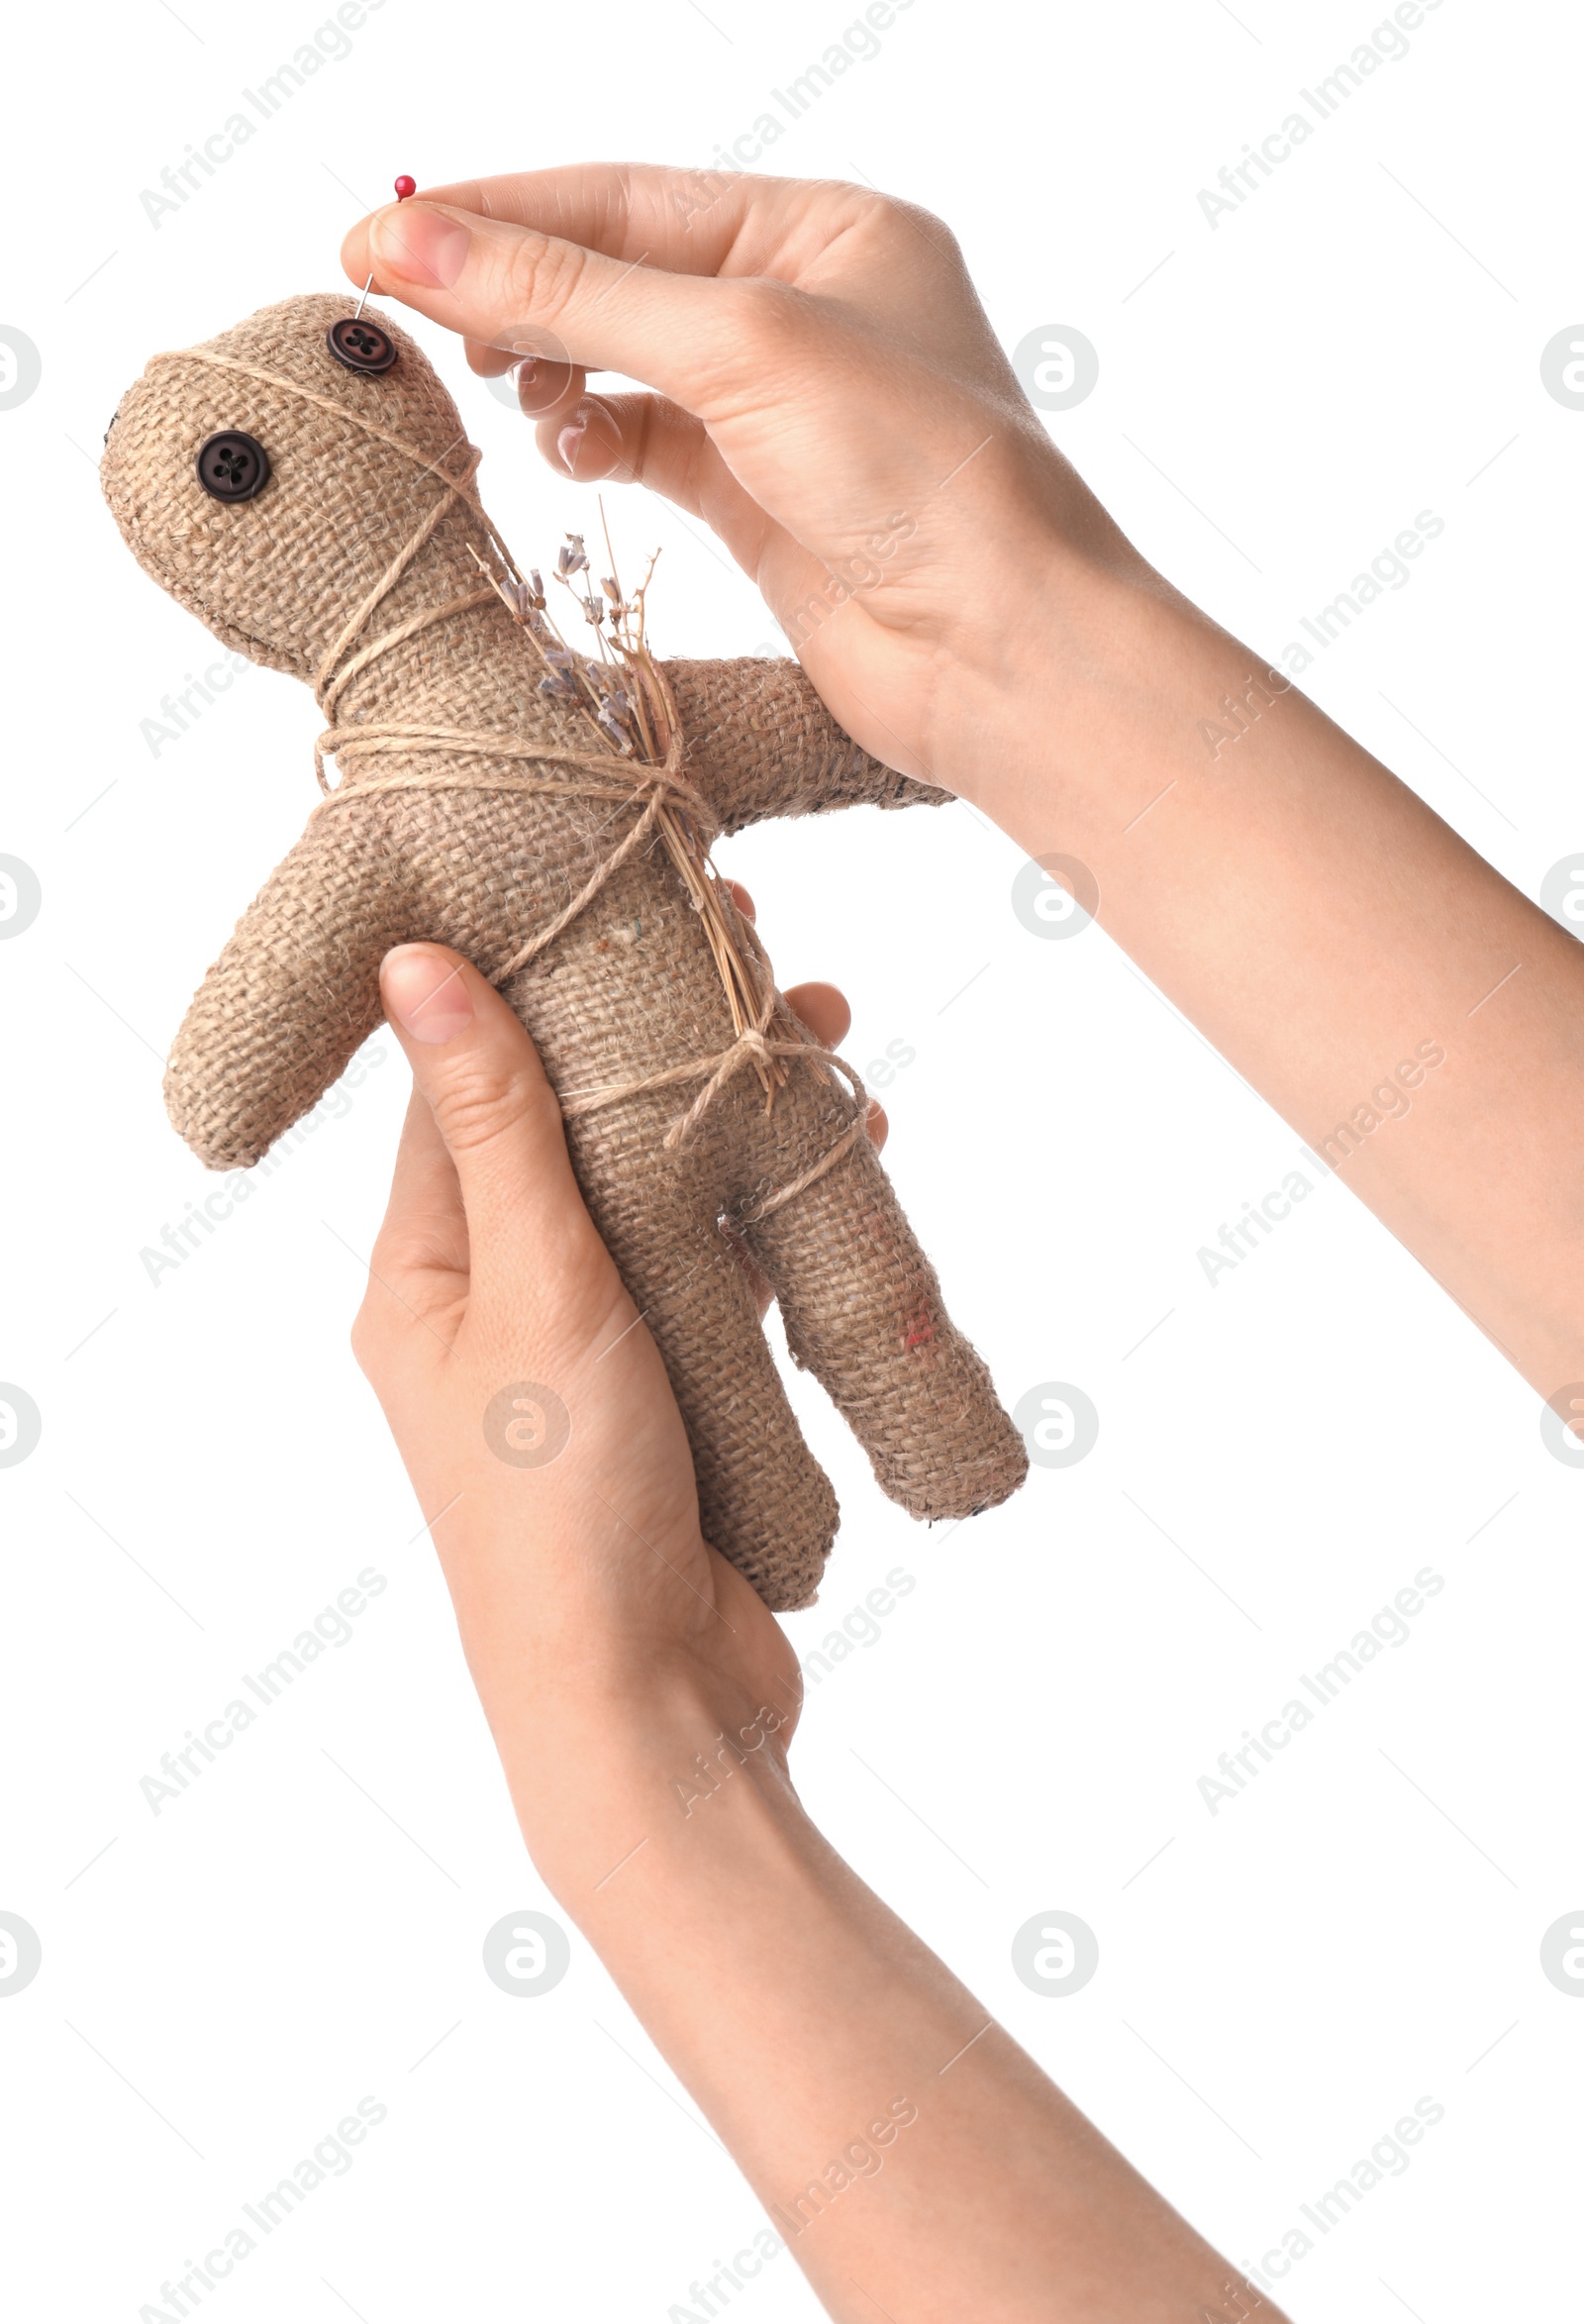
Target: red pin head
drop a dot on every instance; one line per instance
(403, 186)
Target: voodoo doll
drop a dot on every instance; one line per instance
(304, 485)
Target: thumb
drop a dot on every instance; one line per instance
(494, 1108)
(532, 292)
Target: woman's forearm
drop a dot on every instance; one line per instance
(1419, 1022)
(912, 2156)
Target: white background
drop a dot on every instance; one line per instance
(1360, 1928)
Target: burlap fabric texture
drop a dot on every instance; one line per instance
(356, 568)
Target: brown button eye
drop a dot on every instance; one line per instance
(361, 347)
(233, 465)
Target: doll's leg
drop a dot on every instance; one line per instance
(862, 1309)
(764, 1502)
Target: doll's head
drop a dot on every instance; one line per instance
(271, 506)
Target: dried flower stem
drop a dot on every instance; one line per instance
(637, 696)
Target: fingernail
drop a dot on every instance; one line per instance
(569, 443)
(419, 244)
(425, 995)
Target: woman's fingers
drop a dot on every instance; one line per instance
(589, 439)
(824, 1009)
(534, 1247)
(737, 223)
(425, 1230)
(788, 385)
(544, 386)
(563, 309)
(685, 221)
(891, 258)
(650, 439)
(770, 360)
(533, 293)
(828, 396)
(637, 439)
(488, 361)
(585, 444)
(669, 218)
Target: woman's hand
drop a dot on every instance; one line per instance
(641, 1698)
(832, 402)
(593, 1613)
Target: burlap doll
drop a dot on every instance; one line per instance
(303, 483)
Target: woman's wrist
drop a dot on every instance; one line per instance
(1070, 729)
(603, 1763)
(1059, 629)
(1032, 700)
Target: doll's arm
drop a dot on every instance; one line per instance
(294, 994)
(761, 742)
